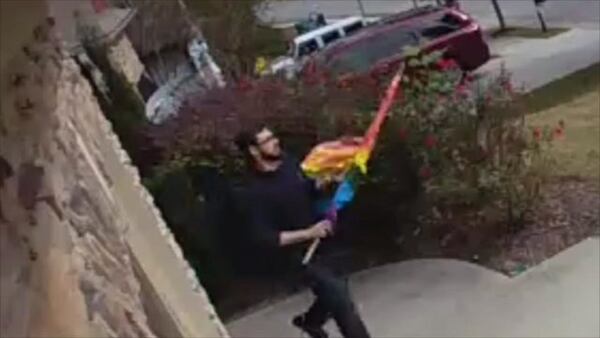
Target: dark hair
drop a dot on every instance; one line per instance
(246, 138)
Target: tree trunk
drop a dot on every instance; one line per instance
(499, 14)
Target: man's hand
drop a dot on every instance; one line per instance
(320, 230)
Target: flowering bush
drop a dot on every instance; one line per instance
(463, 140)
(469, 140)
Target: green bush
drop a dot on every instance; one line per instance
(468, 139)
(179, 193)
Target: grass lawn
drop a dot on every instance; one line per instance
(527, 32)
(578, 154)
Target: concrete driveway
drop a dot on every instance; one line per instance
(447, 298)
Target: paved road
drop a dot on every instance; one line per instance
(446, 298)
(572, 13)
(533, 62)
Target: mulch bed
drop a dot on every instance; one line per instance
(569, 211)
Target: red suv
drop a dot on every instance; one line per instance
(378, 49)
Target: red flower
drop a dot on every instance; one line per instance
(403, 134)
(488, 99)
(345, 83)
(324, 77)
(446, 64)
(425, 172)
(430, 141)
(461, 90)
(371, 80)
(559, 133)
(245, 84)
(537, 134)
(483, 153)
(311, 80)
(441, 100)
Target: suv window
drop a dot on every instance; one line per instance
(330, 37)
(437, 31)
(366, 53)
(307, 47)
(452, 20)
(353, 28)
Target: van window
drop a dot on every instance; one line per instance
(353, 28)
(360, 57)
(330, 37)
(307, 47)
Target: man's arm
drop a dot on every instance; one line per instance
(319, 230)
(264, 234)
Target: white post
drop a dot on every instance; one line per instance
(361, 8)
(539, 8)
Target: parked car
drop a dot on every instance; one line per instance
(379, 48)
(313, 41)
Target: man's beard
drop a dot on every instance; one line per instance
(270, 157)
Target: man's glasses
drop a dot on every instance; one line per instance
(266, 140)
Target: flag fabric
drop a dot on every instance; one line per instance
(334, 158)
(342, 196)
(347, 157)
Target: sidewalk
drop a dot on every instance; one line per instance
(447, 298)
(535, 62)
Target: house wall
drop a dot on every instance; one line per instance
(83, 250)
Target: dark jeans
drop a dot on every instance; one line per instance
(333, 300)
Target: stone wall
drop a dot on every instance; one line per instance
(83, 250)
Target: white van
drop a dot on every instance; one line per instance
(312, 41)
(315, 40)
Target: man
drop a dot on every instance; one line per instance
(279, 204)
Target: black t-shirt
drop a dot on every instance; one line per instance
(282, 200)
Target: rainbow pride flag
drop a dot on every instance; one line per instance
(349, 155)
